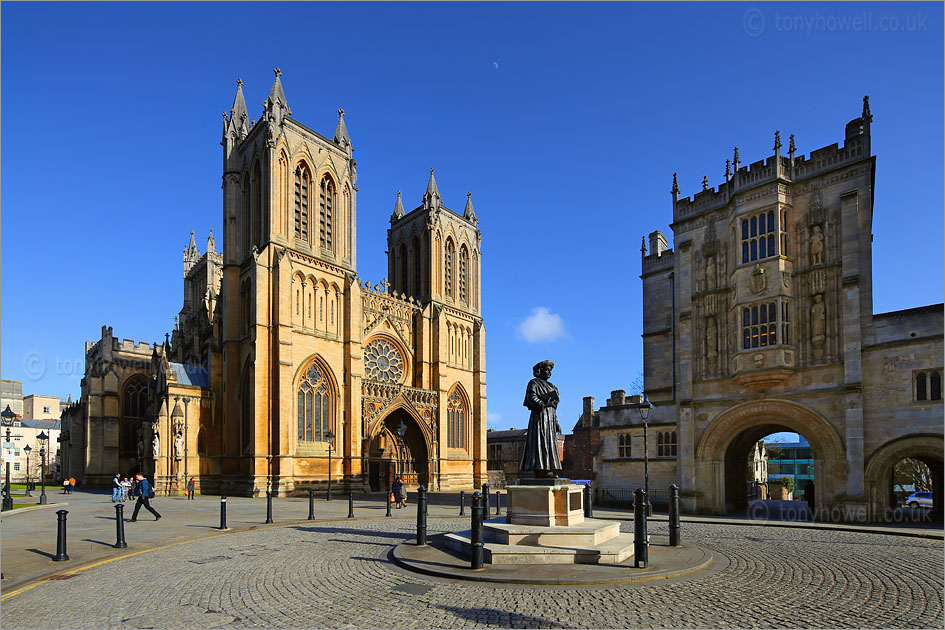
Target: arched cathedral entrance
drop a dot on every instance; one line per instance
(722, 451)
(388, 455)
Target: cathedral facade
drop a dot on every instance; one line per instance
(285, 368)
(760, 319)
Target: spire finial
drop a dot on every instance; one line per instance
(791, 147)
(277, 72)
(735, 161)
(728, 170)
(398, 208)
(341, 131)
(239, 82)
(867, 116)
(643, 245)
(470, 213)
(777, 140)
(705, 182)
(675, 189)
(341, 112)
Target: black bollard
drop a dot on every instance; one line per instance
(476, 550)
(350, 504)
(485, 500)
(61, 537)
(498, 506)
(387, 500)
(588, 502)
(120, 526)
(422, 516)
(462, 503)
(640, 543)
(674, 516)
(222, 512)
(311, 504)
(268, 507)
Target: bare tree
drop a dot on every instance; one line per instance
(913, 472)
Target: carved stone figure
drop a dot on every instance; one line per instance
(541, 441)
(179, 446)
(710, 281)
(816, 246)
(711, 340)
(140, 448)
(155, 445)
(818, 325)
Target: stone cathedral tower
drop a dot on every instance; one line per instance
(315, 363)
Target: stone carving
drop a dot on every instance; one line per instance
(786, 279)
(818, 325)
(155, 445)
(140, 448)
(816, 246)
(179, 446)
(711, 340)
(818, 282)
(710, 279)
(757, 281)
(541, 441)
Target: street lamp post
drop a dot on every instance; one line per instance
(331, 438)
(28, 449)
(42, 457)
(401, 430)
(7, 499)
(644, 409)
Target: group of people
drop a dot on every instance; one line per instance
(141, 489)
(68, 485)
(398, 493)
(122, 488)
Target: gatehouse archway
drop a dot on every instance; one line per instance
(723, 448)
(878, 472)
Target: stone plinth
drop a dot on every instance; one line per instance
(545, 503)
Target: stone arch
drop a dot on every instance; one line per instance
(419, 438)
(737, 428)
(878, 470)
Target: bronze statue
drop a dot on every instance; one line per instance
(541, 442)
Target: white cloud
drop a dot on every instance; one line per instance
(541, 325)
(493, 420)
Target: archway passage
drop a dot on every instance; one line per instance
(882, 478)
(724, 447)
(754, 465)
(389, 455)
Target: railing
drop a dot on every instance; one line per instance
(623, 495)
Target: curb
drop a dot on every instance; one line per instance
(32, 508)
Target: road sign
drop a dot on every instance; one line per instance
(8, 452)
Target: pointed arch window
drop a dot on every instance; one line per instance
(402, 280)
(448, 268)
(415, 261)
(134, 405)
(457, 414)
(314, 405)
(326, 200)
(246, 217)
(464, 274)
(303, 183)
(256, 236)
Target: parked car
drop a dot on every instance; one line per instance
(919, 499)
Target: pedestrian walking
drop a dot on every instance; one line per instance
(190, 489)
(71, 485)
(400, 494)
(145, 493)
(65, 486)
(116, 488)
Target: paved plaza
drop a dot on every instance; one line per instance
(337, 573)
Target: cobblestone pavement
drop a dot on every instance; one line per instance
(337, 575)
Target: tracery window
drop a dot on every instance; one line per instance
(448, 268)
(134, 405)
(759, 325)
(666, 444)
(928, 385)
(456, 415)
(463, 271)
(302, 189)
(383, 362)
(326, 200)
(624, 447)
(314, 405)
(758, 236)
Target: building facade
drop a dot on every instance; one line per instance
(760, 320)
(505, 451)
(282, 359)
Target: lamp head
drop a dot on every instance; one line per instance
(645, 409)
(42, 436)
(7, 414)
(28, 449)
(401, 429)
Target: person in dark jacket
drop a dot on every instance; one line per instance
(116, 488)
(398, 490)
(190, 488)
(143, 490)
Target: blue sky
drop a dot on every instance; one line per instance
(565, 121)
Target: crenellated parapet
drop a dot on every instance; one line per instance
(380, 303)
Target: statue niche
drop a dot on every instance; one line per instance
(818, 325)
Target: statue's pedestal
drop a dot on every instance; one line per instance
(545, 502)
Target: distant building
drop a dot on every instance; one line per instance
(793, 459)
(25, 432)
(582, 446)
(504, 455)
(39, 407)
(11, 393)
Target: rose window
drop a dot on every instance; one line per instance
(383, 362)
